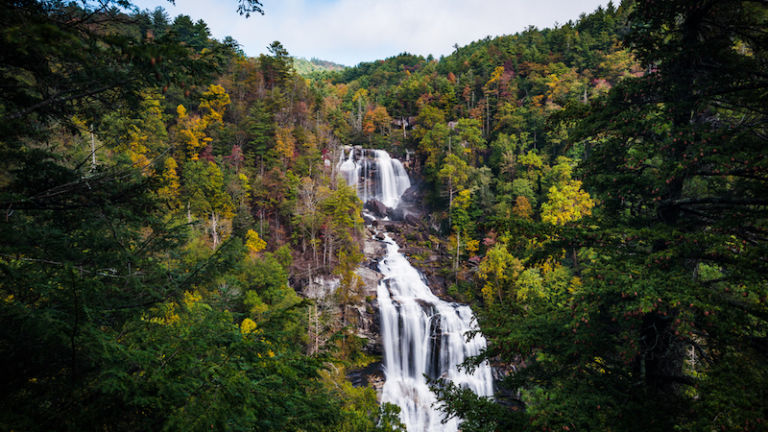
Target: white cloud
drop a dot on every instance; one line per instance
(351, 31)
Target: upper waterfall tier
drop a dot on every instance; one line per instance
(374, 174)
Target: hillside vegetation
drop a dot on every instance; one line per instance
(596, 191)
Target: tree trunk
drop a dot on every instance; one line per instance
(458, 250)
(313, 242)
(214, 229)
(93, 151)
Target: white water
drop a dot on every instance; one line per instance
(393, 180)
(422, 335)
(382, 178)
(349, 169)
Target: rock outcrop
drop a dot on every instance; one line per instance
(376, 207)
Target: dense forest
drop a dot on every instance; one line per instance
(597, 192)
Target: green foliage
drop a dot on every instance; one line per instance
(313, 66)
(193, 369)
(121, 160)
(499, 270)
(204, 183)
(566, 203)
(610, 194)
(647, 313)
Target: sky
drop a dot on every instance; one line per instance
(354, 31)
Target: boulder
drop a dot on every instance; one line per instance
(373, 249)
(371, 375)
(376, 207)
(392, 228)
(411, 219)
(412, 194)
(370, 280)
(395, 215)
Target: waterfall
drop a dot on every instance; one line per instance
(393, 180)
(374, 175)
(423, 335)
(348, 168)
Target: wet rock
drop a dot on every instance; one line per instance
(392, 228)
(426, 305)
(370, 279)
(395, 214)
(411, 219)
(376, 207)
(412, 194)
(373, 249)
(371, 375)
(368, 328)
(367, 310)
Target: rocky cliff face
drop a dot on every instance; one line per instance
(368, 314)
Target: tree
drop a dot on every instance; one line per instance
(433, 146)
(566, 203)
(285, 145)
(213, 102)
(454, 175)
(307, 215)
(204, 185)
(169, 191)
(254, 243)
(667, 314)
(85, 68)
(341, 209)
(680, 149)
(498, 270)
(377, 120)
(522, 207)
(261, 129)
(277, 67)
(468, 139)
(142, 136)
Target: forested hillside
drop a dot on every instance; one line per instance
(162, 196)
(313, 66)
(595, 191)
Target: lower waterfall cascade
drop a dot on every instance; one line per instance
(422, 336)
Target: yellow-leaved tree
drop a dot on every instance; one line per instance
(169, 191)
(213, 103)
(191, 132)
(498, 270)
(566, 202)
(285, 145)
(194, 131)
(253, 242)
